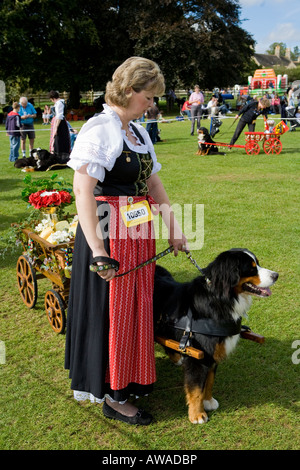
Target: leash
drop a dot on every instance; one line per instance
(168, 250)
(193, 261)
(113, 264)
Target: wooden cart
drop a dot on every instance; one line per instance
(271, 143)
(42, 259)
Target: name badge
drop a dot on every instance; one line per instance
(136, 214)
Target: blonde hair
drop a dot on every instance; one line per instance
(138, 74)
(265, 102)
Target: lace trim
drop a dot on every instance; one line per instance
(82, 396)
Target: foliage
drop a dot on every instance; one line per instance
(283, 47)
(33, 185)
(77, 44)
(11, 239)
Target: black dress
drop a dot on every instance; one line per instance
(88, 321)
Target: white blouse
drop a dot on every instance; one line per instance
(59, 109)
(100, 143)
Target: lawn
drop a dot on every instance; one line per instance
(249, 201)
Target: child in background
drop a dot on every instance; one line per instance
(13, 124)
(47, 115)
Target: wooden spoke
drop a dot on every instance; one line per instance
(55, 311)
(272, 146)
(252, 147)
(26, 279)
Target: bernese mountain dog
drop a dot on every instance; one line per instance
(206, 314)
(42, 160)
(205, 142)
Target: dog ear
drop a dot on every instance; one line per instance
(223, 274)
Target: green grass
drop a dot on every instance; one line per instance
(249, 201)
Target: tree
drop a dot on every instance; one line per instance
(194, 41)
(61, 44)
(273, 46)
(296, 53)
(76, 44)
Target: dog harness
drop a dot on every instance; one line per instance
(204, 326)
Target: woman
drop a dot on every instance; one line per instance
(110, 339)
(60, 137)
(196, 100)
(249, 113)
(275, 104)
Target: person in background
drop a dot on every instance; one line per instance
(13, 125)
(28, 114)
(110, 331)
(152, 114)
(46, 115)
(196, 100)
(60, 135)
(275, 104)
(249, 113)
(73, 134)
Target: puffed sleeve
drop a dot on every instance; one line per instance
(145, 134)
(59, 109)
(98, 144)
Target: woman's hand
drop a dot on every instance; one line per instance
(179, 245)
(178, 240)
(107, 274)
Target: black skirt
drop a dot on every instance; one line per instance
(86, 354)
(61, 143)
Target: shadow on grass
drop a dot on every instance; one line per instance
(255, 375)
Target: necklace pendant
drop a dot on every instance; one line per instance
(128, 158)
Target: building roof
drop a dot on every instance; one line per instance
(269, 60)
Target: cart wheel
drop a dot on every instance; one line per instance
(272, 146)
(55, 311)
(27, 283)
(252, 148)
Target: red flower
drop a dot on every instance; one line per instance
(49, 198)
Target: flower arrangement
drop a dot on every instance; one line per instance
(50, 196)
(44, 193)
(53, 198)
(47, 198)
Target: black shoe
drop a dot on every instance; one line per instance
(142, 417)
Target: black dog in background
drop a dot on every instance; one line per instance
(42, 160)
(204, 143)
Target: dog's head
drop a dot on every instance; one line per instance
(203, 135)
(40, 154)
(203, 131)
(35, 153)
(237, 272)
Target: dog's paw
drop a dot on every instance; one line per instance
(200, 418)
(175, 357)
(179, 362)
(210, 405)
